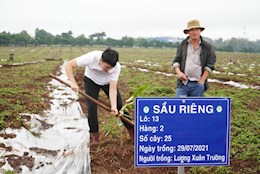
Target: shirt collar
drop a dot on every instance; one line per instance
(191, 43)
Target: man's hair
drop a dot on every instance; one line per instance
(110, 56)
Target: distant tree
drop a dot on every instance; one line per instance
(98, 35)
(57, 40)
(154, 43)
(112, 42)
(127, 41)
(97, 38)
(257, 46)
(81, 40)
(169, 44)
(5, 38)
(141, 42)
(176, 44)
(240, 44)
(209, 40)
(160, 44)
(218, 43)
(42, 37)
(67, 38)
(22, 38)
(227, 48)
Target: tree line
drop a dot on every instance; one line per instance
(43, 37)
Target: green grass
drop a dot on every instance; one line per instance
(23, 88)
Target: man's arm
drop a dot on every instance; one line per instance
(210, 65)
(113, 96)
(204, 76)
(177, 63)
(180, 74)
(69, 66)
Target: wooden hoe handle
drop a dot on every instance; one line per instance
(93, 100)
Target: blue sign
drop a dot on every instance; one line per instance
(182, 131)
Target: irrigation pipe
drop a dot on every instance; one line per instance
(94, 100)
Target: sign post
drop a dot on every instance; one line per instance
(182, 132)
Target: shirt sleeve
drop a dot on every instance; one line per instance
(210, 65)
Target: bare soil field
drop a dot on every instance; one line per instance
(24, 90)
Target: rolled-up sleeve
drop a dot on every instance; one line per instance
(175, 64)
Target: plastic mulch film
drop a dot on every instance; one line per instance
(58, 141)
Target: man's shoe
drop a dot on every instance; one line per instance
(94, 138)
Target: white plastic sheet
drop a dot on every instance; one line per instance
(62, 148)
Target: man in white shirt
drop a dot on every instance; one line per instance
(102, 72)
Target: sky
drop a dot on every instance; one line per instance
(133, 18)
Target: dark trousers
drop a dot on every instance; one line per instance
(92, 89)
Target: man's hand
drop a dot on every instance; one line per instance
(69, 66)
(201, 82)
(74, 87)
(114, 111)
(182, 76)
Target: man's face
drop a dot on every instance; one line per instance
(105, 66)
(194, 33)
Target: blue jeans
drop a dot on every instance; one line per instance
(191, 89)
